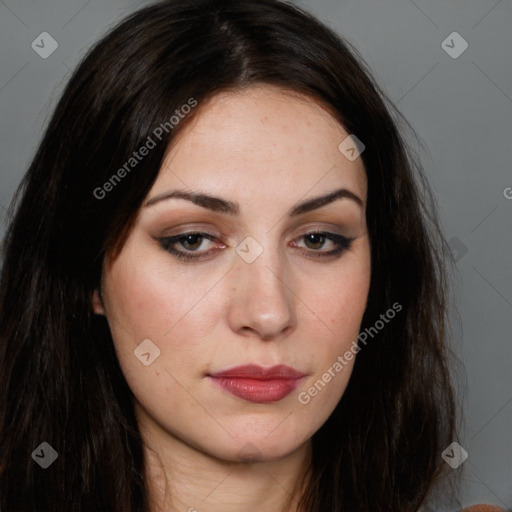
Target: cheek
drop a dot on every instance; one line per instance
(332, 355)
(173, 309)
(337, 309)
(151, 299)
(148, 307)
(340, 301)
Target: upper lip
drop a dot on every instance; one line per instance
(254, 371)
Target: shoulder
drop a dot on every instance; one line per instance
(483, 508)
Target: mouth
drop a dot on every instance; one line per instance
(257, 384)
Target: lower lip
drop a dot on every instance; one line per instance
(257, 391)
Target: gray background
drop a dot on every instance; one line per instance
(460, 107)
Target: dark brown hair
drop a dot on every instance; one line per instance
(60, 380)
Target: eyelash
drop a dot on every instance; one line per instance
(167, 243)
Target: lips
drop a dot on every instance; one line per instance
(253, 371)
(258, 384)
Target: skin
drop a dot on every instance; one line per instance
(266, 150)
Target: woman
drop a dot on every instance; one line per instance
(222, 285)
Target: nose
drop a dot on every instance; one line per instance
(262, 303)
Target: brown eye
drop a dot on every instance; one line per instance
(315, 240)
(192, 242)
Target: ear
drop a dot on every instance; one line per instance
(97, 304)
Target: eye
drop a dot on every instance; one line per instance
(191, 242)
(317, 240)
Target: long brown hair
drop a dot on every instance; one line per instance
(61, 382)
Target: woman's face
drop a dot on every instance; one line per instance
(259, 287)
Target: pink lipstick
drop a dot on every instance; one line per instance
(257, 384)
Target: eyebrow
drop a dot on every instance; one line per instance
(217, 204)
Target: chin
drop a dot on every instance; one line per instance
(260, 449)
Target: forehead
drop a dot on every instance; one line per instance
(261, 137)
